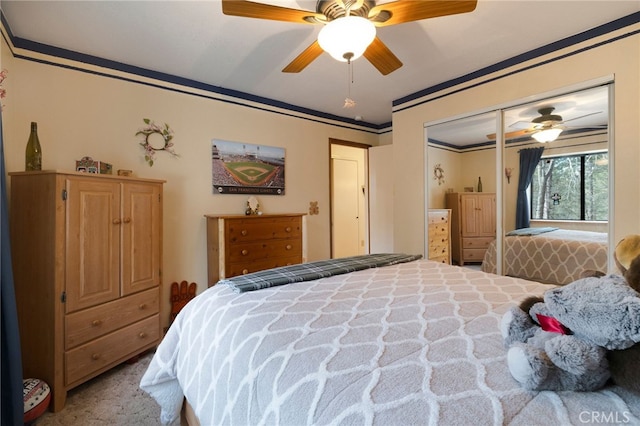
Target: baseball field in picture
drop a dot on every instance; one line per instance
(242, 168)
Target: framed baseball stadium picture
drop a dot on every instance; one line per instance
(242, 168)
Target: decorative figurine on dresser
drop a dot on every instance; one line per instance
(240, 244)
(87, 263)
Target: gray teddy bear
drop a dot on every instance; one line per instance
(563, 342)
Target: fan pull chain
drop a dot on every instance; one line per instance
(348, 102)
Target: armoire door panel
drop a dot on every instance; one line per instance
(141, 243)
(93, 243)
(487, 212)
(469, 205)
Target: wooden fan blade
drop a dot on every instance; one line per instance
(305, 58)
(408, 11)
(381, 57)
(514, 134)
(249, 9)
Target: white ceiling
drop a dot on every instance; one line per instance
(194, 40)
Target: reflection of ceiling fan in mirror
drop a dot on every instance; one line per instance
(546, 127)
(349, 25)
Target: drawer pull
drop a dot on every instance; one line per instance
(288, 247)
(142, 306)
(95, 357)
(245, 271)
(142, 335)
(127, 220)
(117, 221)
(96, 323)
(245, 252)
(287, 229)
(244, 232)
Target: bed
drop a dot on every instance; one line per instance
(550, 255)
(412, 343)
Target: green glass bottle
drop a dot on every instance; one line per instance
(479, 184)
(33, 155)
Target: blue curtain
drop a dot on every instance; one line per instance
(529, 159)
(11, 397)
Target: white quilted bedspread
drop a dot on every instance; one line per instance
(411, 344)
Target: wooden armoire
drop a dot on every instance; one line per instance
(87, 264)
(473, 225)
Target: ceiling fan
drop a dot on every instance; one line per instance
(543, 127)
(336, 13)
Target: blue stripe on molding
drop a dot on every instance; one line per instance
(462, 148)
(200, 95)
(532, 54)
(320, 116)
(33, 46)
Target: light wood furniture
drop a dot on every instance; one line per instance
(239, 245)
(439, 235)
(87, 263)
(473, 225)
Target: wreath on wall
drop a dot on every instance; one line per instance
(148, 133)
(438, 173)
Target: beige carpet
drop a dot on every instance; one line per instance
(113, 398)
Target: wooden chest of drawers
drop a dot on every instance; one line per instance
(238, 245)
(439, 235)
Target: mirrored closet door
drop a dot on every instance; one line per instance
(556, 204)
(461, 164)
(548, 172)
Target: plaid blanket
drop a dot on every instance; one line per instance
(531, 231)
(314, 270)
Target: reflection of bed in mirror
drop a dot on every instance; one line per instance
(550, 255)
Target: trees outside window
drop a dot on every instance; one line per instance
(572, 187)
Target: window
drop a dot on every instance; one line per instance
(572, 187)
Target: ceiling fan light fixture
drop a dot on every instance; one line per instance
(547, 135)
(347, 38)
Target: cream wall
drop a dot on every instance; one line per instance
(461, 170)
(84, 114)
(600, 58)
(450, 162)
(480, 163)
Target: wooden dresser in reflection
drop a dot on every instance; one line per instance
(439, 235)
(239, 244)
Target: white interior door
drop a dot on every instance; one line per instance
(345, 208)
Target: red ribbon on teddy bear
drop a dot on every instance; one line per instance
(552, 325)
